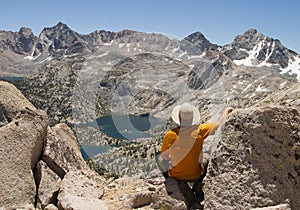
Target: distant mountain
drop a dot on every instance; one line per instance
(21, 42)
(255, 49)
(59, 40)
(19, 49)
(199, 39)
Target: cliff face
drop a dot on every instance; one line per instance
(256, 163)
(38, 163)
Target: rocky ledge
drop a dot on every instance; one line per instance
(256, 165)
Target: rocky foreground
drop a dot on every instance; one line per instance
(255, 165)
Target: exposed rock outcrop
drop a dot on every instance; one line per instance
(48, 185)
(39, 164)
(81, 189)
(23, 130)
(257, 162)
(152, 192)
(62, 152)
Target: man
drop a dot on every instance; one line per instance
(183, 145)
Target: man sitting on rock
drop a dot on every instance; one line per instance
(182, 147)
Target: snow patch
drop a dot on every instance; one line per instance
(252, 55)
(47, 59)
(29, 57)
(293, 67)
(182, 54)
(196, 56)
(282, 84)
(261, 89)
(175, 49)
(264, 63)
(109, 43)
(102, 55)
(121, 45)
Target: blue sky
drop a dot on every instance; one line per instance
(219, 20)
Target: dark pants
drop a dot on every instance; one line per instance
(193, 194)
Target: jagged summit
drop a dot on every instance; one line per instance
(57, 38)
(253, 48)
(59, 25)
(200, 40)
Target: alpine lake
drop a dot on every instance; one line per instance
(117, 125)
(121, 126)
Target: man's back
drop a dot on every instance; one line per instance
(184, 145)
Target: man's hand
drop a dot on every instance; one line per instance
(224, 115)
(228, 110)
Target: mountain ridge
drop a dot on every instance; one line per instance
(251, 48)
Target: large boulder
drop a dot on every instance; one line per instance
(151, 192)
(12, 102)
(23, 129)
(48, 185)
(257, 162)
(81, 189)
(62, 151)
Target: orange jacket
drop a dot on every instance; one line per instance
(183, 146)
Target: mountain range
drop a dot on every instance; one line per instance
(21, 50)
(78, 78)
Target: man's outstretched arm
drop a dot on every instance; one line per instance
(221, 119)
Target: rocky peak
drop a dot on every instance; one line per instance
(249, 39)
(60, 39)
(255, 49)
(99, 37)
(199, 39)
(27, 40)
(126, 32)
(21, 43)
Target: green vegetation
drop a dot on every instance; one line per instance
(101, 171)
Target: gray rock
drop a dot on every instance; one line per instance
(81, 189)
(22, 134)
(200, 41)
(141, 199)
(12, 102)
(256, 163)
(277, 207)
(48, 185)
(26, 40)
(50, 207)
(168, 195)
(62, 152)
